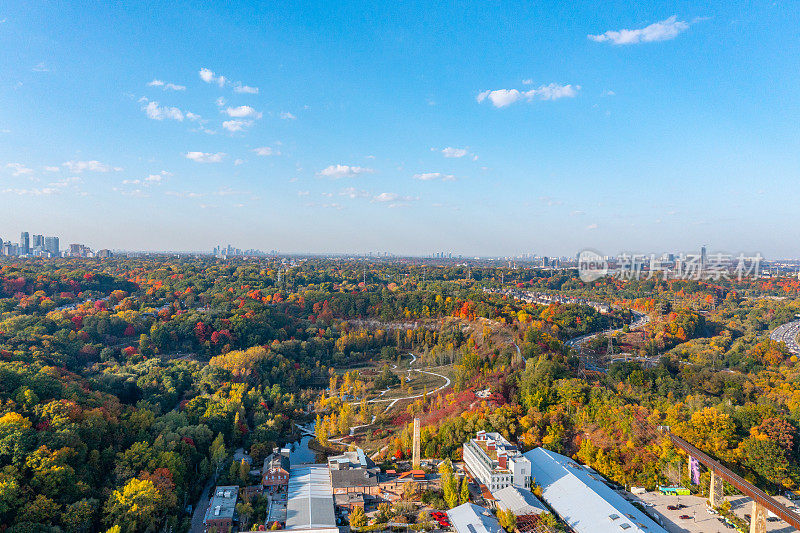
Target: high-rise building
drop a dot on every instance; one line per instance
(24, 243)
(51, 245)
(38, 242)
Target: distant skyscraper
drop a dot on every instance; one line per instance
(703, 257)
(38, 242)
(51, 245)
(24, 243)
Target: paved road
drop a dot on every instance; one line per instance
(787, 334)
(200, 508)
(639, 320)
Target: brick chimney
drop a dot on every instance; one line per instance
(503, 459)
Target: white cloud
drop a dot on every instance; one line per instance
(238, 162)
(18, 169)
(431, 176)
(157, 178)
(659, 31)
(393, 199)
(454, 152)
(52, 169)
(92, 166)
(352, 192)
(64, 182)
(41, 67)
(236, 125)
(193, 117)
(32, 192)
(208, 76)
(166, 86)
(386, 197)
(205, 157)
(157, 112)
(553, 91)
(266, 151)
(285, 115)
(246, 89)
(136, 193)
(185, 194)
(303, 193)
(242, 111)
(343, 171)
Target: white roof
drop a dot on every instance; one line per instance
(310, 499)
(518, 501)
(470, 518)
(581, 498)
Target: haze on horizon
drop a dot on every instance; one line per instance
(486, 129)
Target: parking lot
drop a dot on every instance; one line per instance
(690, 514)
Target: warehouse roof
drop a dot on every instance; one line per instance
(582, 499)
(518, 501)
(470, 518)
(310, 499)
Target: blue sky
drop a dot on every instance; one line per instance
(487, 128)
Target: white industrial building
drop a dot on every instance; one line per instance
(470, 518)
(309, 506)
(495, 462)
(580, 497)
(521, 502)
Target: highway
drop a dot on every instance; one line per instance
(787, 333)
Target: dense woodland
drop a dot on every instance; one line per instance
(127, 383)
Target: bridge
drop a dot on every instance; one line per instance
(762, 502)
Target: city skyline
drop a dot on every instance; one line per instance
(403, 128)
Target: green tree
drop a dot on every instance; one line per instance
(135, 507)
(464, 491)
(244, 472)
(358, 518)
(450, 489)
(79, 517)
(218, 452)
(507, 519)
(245, 510)
(42, 510)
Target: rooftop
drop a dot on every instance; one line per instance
(223, 503)
(581, 498)
(518, 501)
(310, 499)
(470, 518)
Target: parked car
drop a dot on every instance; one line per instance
(685, 517)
